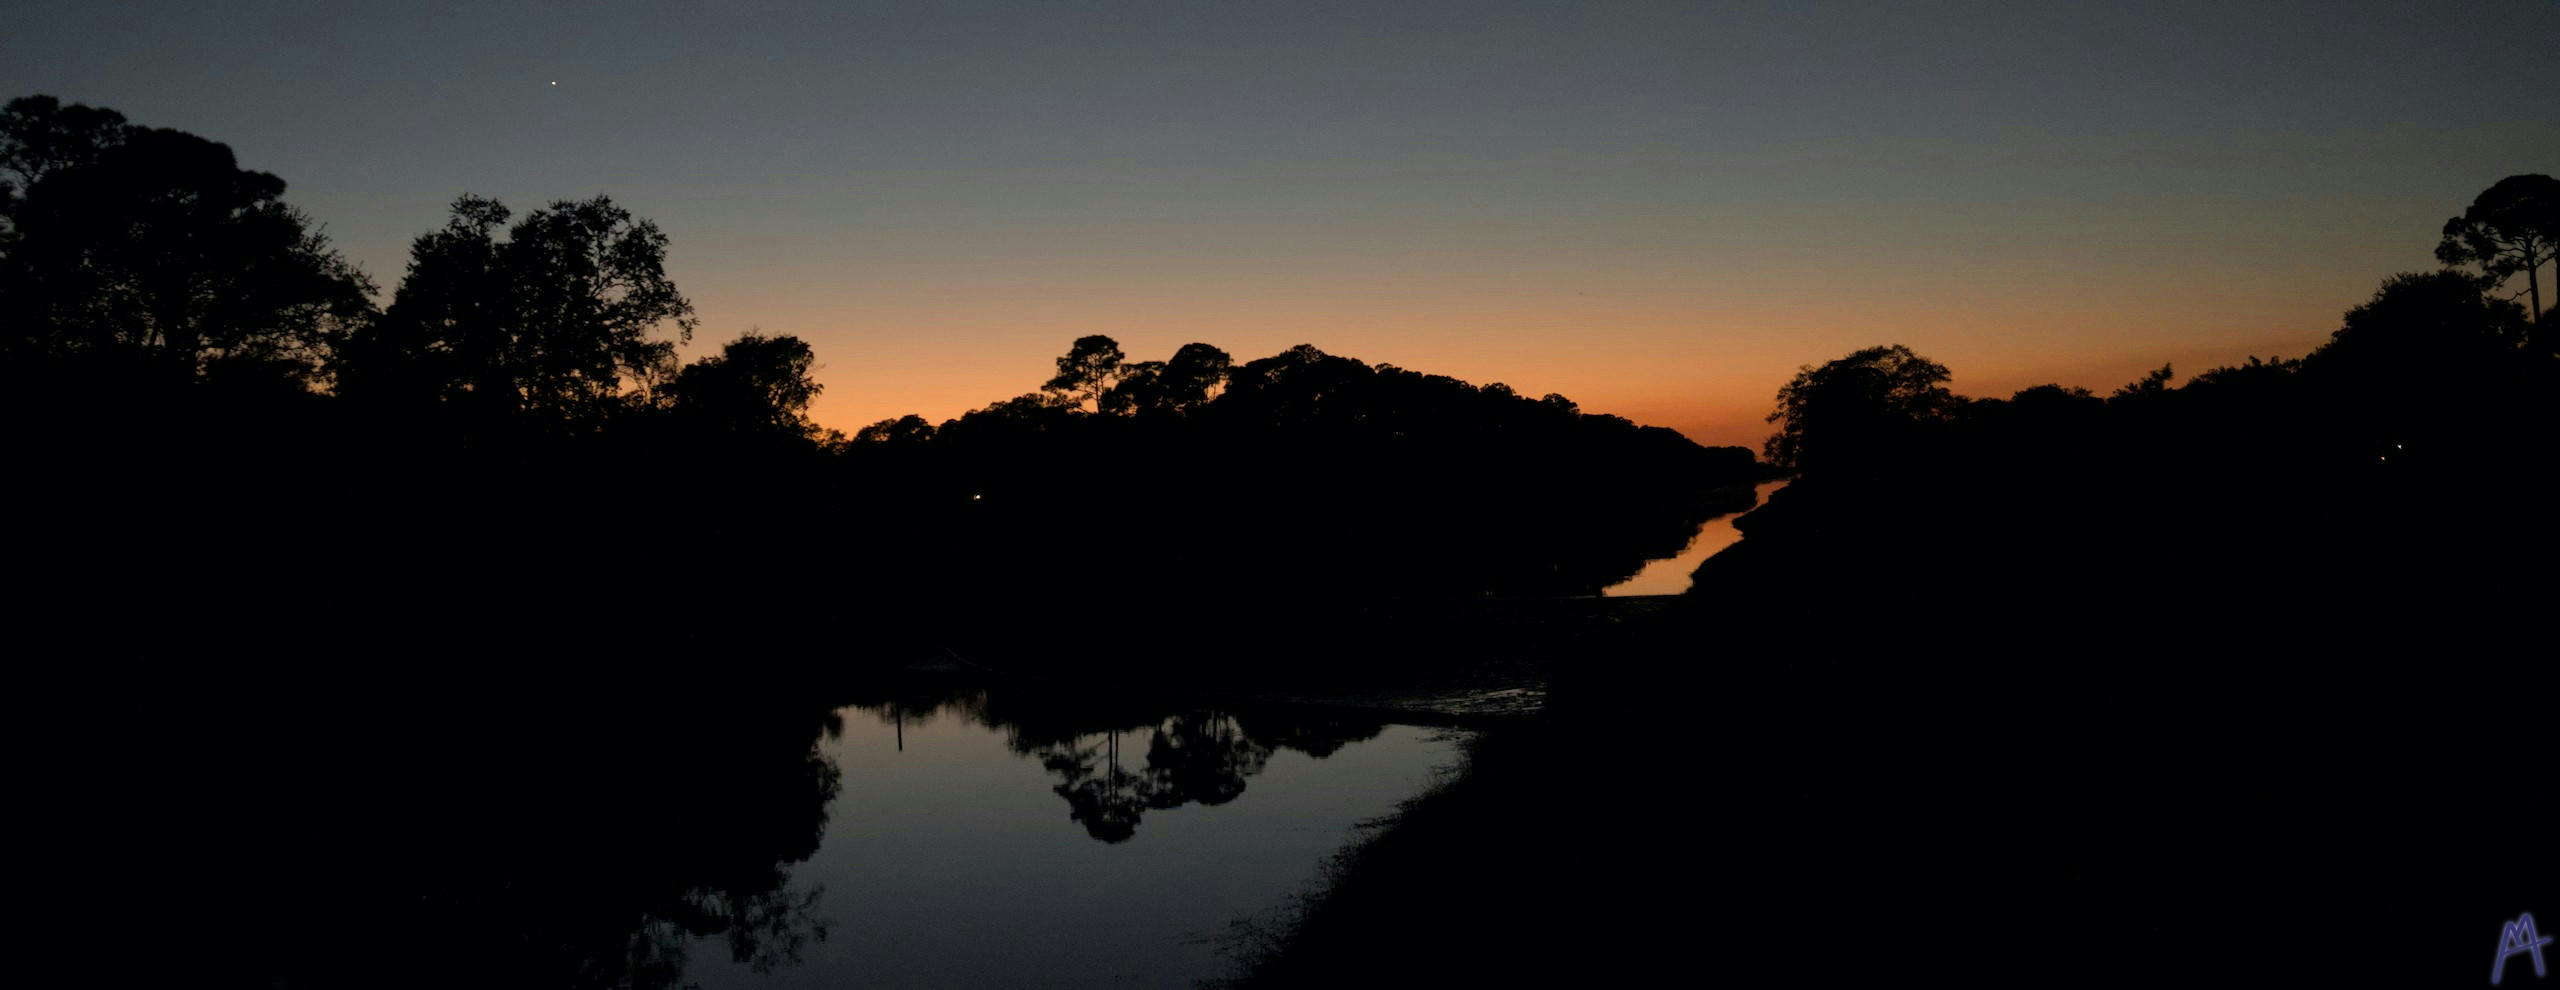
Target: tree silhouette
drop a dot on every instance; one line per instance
(2417, 322)
(1194, 376)
(1173, 387)
(2434, 369)
(140, 245)
(39, 136)
(2151, 385)
(555, 323)
(1088, 371)
(1391, 476)
(2512, 228)
(755, 385)
(1857, 405)
(905, 430)
(488, 815)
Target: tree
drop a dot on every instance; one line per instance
(1174, 387)
(143, 245)
(2425, 340)
(1290, 390)
(2512, 228)
(39, 136)
(907, 430)
(555, 324)
(1088, 371)
(755, 384)
(2149, 386)
(1847, 411)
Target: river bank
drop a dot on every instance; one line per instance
(1445, 871)
(1855, 820)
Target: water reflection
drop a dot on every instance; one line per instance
(533, 845)
(1115, 760)
(590, 842)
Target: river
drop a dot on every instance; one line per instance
(906, 829)
(1670, 575)
(973, 847)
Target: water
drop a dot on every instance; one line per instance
(747, 830)
(1670, 575)
(973, 845)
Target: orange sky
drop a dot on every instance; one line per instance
(1702, 350)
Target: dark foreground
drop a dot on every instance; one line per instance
(1871, 821)
(1691, 804)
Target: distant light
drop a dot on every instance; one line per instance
(555, 82)
(974, 498)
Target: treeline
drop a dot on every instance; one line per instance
(199, 387)
(216, 429)
(1298, 475)
(2393, 483)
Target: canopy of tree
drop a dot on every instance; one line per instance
(2512, 229)
(1857, 409)
(554, 323)
(129, 251)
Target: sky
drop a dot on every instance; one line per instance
(1660, 210)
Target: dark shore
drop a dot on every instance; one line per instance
(1767, 815)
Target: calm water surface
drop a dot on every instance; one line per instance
(975, 845)
(1670, 575)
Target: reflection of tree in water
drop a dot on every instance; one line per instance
(1315, 733)
(1092, 743)
(1200, 757)
(1191, 757)
(1106, 798)
(519, 851)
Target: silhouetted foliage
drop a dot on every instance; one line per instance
(905, 430)
(39, 137)
(756, 385)
(1857, 408)
(517, 415)
(2053, 512)
(547, 831)
(1087, 372)
(2512, 228)
(552, 326)
(1174, 387)
(204, 393)
(2149, 386)
(220, 450)
(145, 252)
(1385, 482)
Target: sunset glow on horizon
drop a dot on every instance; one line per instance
(1660, 211)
